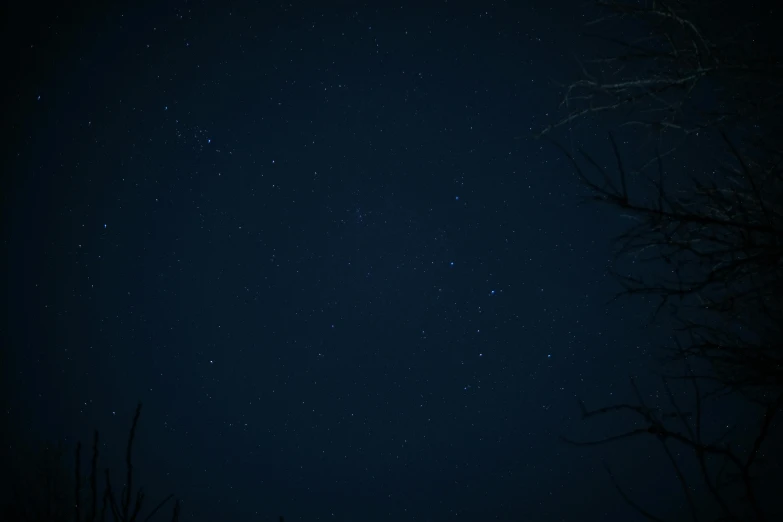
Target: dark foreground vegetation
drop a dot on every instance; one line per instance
(45, 493)
(701, 86)
(697, 94)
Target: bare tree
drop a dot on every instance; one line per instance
(706, 243)
(721, 243)
(685, 49)
(717, 233)
(729, 473)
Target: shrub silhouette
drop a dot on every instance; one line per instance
(43, 492)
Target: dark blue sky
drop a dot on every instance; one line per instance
(319, 246)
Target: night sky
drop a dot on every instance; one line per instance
(320, 247)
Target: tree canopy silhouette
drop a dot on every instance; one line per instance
(719, 231)
(702, 82)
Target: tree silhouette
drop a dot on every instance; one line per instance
(729, 472)
(719, 233)
(708, 245)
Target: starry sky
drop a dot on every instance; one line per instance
(318, 244)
